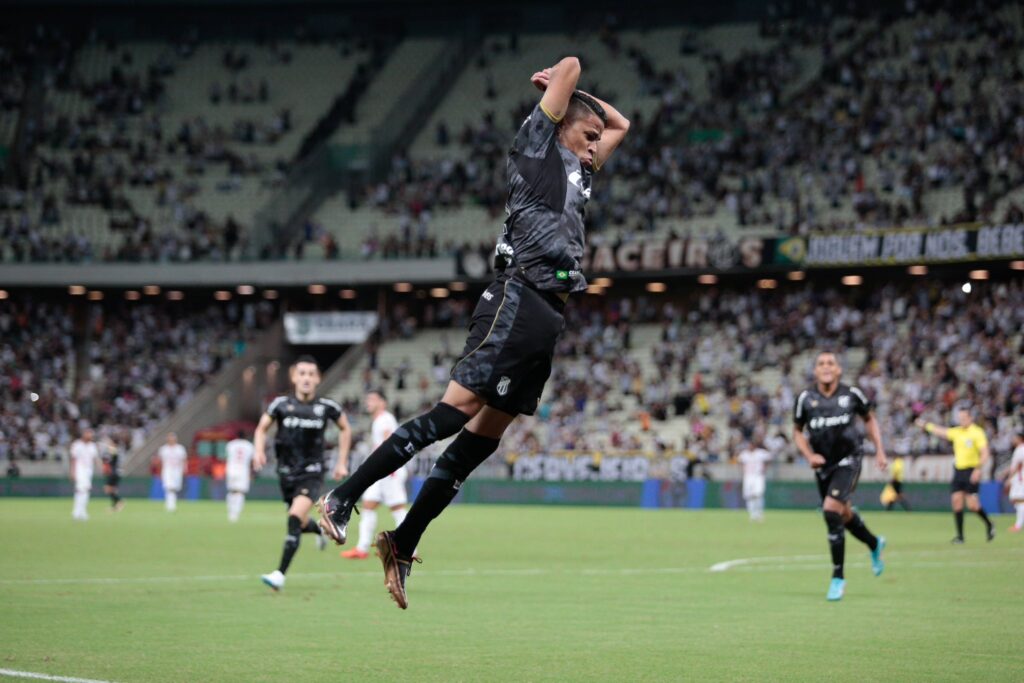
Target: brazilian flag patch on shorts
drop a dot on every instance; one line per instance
(561, 275)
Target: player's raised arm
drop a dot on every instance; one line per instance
(259, 441)
(344, 446)
(933, 428)
(558, 84)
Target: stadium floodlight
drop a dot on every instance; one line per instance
(95, 295)
(707, 279)
(966, 288)
(347, 294)
(175, 295)
(458, 286)
(76, 290)
(978, 275)
(853, 280)
(3, 294)
(796, 275)
(317, 289)
(656, 287)
(151, 290)
(245, 290)
(603, 282)
(767, 283)
(132, 295)
(919, 269)
(222, 295)
(595, 289)
(403, 287)
(439, 292)
(270, 294)
(1017, 265)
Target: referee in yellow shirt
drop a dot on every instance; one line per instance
(970, 453)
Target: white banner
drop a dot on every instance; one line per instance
(330, 327)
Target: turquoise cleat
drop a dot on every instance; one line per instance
(836, 590)
(877, 565)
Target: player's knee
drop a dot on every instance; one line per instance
(834, 522)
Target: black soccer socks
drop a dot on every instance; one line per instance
(860, 531)
(311, 527)
(959, 515)
(462, 456)
(291, 542)
(984, 518)
(441, 422)
(836, 542)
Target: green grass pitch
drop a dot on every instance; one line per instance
(505, 594)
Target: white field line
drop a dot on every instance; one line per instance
(765, 563)
(11, 673)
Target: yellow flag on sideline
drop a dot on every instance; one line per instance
(888, 495)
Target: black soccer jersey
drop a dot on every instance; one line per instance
(299, 444)
(831, 421)
(548, 189)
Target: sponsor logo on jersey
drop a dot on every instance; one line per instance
(302, 422)
(831, 421)
(576, 178)
(503, 383)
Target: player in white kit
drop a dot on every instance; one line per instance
(754, 458)
(390, 490)
(1016, 480)
(239, 468)
(172, 469)
(84, 456)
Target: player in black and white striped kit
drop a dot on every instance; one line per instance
(299, 447)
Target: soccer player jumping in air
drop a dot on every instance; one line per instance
(834, 450)
(507, 357)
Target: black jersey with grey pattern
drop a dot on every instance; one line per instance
(299, 443)
(548, 189)
(831, 422)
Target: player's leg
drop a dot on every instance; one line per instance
(454, 410)
(80, 507)
(974, 504)
(1018, 504)
(833, 510)
(298, 515)
(957, 503)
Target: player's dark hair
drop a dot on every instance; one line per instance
(827, 352)
(582, 104)
(380, 392)
(306, 358)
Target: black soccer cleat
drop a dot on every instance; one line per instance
(396, 569)
(991, 532)
(334, 516)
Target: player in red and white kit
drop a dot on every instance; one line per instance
(84, 456)
(390, 490)
(239, 468)
(754, 458)
(172, 470)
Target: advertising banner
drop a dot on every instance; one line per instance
(329, 327)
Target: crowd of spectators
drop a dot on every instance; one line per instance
(702, 373)
(118, 368)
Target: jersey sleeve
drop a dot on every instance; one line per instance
(861, 404)
(800, 410)
(275, 407)
(982, 439)
(334, 411)
(536, 137)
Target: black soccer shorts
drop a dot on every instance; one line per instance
(307, 485)
(838, 482)
(507, 357)
(962, 482)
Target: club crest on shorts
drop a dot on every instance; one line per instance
(502, 387)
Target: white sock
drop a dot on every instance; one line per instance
(236, 501)
(759, 506)
(1020, 515)
(367, 527)
(751, 508)
(171, 500)
(80, 508)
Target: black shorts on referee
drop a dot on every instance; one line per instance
(507, 357)
(962, 481)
